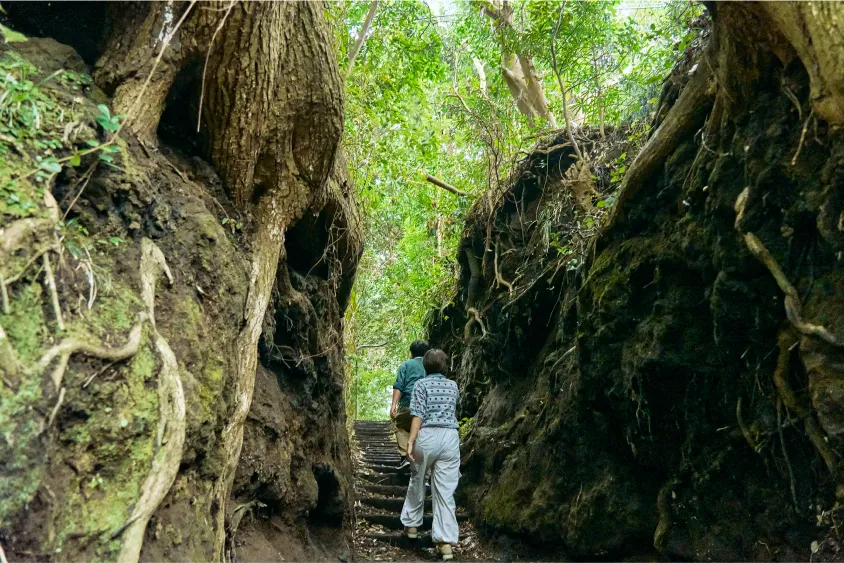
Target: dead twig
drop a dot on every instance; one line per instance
(445, 185)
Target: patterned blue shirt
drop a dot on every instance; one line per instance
(434, 400)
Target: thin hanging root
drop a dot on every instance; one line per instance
(744, 429)
(54, 294)
(793, 306)
(70, 346)
(498, 276)
(4, 296)
(170, 439)
(785, 455)
(790, 400)
(56, 408)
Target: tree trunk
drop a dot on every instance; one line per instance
(273, 118)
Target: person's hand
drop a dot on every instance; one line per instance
(394, 410)
(410, 450)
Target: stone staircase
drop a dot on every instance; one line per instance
(381, 486)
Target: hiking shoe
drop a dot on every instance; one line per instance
(411, 533)
(444, 549)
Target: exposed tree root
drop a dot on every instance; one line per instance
(170, 438)
(69, 346)
(687, 115)
(10, 368)
(745, 430)
(786, 340)
(54, 294)
(13, 237)
(474, 316)
(498, 277)
(793, 306)
(268, 249)
(664, 510)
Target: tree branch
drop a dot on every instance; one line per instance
(444, 185)
(561, 83)
(370, 15)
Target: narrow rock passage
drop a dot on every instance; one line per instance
(380, 489)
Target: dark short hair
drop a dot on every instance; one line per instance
(435, 361)
(418, 348)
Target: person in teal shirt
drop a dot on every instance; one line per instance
(408, 374)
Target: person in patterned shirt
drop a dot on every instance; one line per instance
(434, 445)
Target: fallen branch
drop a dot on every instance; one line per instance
(170, 438)
(444, 185)
(70, 346)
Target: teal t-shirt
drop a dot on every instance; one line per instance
(409, 373)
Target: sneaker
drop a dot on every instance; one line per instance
(444, 549)
(411, 533)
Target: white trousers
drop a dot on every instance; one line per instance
(437, 449)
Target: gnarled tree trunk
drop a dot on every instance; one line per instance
(273, 118)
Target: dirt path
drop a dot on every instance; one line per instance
(380, 489)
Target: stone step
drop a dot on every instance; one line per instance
(388, 469)
(393, 479)
(394, 522)
(394, 504)
(390, 462)
(399, 539)
(385, 490)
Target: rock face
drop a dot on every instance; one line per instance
(75, 457)
(642, 388)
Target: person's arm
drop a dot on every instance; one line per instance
(418, 407)
(415, 424)
(398, 389)
(394, 407)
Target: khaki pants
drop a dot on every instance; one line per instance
(401, 428)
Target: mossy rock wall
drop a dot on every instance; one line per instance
(71, 470)
(625, 405)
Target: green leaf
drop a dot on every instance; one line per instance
(51, 166)
(92, 143)
(75, 160)
(12, 36)
(104, 111)
(106, 157)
